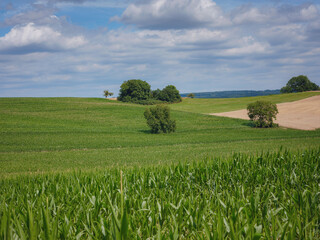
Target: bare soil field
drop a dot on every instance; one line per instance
(303, 114)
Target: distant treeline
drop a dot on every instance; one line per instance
(233, 94)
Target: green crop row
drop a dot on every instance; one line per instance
(271, 196)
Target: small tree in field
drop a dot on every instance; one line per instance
(106, 93)
(158, 119)
(262, 113)
(190, 95)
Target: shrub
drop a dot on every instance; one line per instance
(134, 90)
(262, 113)
(191, 95)
(299, 84)
(158, 119)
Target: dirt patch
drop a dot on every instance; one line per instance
(303, 114)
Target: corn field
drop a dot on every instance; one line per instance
(270, 196)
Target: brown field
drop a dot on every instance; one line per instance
(303, 114)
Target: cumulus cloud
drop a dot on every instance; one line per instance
(73, 1)
(180, 42)
(283, 34)
(280, 15)
(39, 14)
(174, 14)
(32, 38)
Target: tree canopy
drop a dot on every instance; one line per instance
(299, 84)
(262, 113)
(169, 94)
(107, 93)
(134, 90)
(158, 119)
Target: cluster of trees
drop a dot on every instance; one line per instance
(138, 91)
(299, 84)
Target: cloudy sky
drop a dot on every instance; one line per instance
(79, 48)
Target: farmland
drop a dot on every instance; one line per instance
(269, 196)
(60, 163)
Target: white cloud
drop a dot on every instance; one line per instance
(284, 34)
(309, 12)
(174, 14)
(33, 38)
(180, 42)
(271, 15)
(249, 15)
(38, 13)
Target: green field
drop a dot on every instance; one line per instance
(214, 178)
(61, 134)
(271, 196)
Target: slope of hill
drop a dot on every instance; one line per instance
(79, 168)
(61, 134)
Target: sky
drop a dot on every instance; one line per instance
(79, 48)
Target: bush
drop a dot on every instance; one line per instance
(262, 113)
(299, 84)
(158, 119)
(134, 90)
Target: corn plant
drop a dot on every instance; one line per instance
(270, 196)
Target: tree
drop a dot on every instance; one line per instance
(169, 94)
(299, 84)
(262, 113)
(106, 93)
(158, 119)
(134, 90)
(190, 95)
(155, 94)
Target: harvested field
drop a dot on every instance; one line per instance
(303, 114)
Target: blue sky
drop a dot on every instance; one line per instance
(79, 48)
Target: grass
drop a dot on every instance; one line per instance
(59, 134)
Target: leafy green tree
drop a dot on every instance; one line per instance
(191, 95)
(262, 113)
(106, 93)
(155, 94)
(134, 90)
(169, 94)
(299, 84)
(158, 119)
